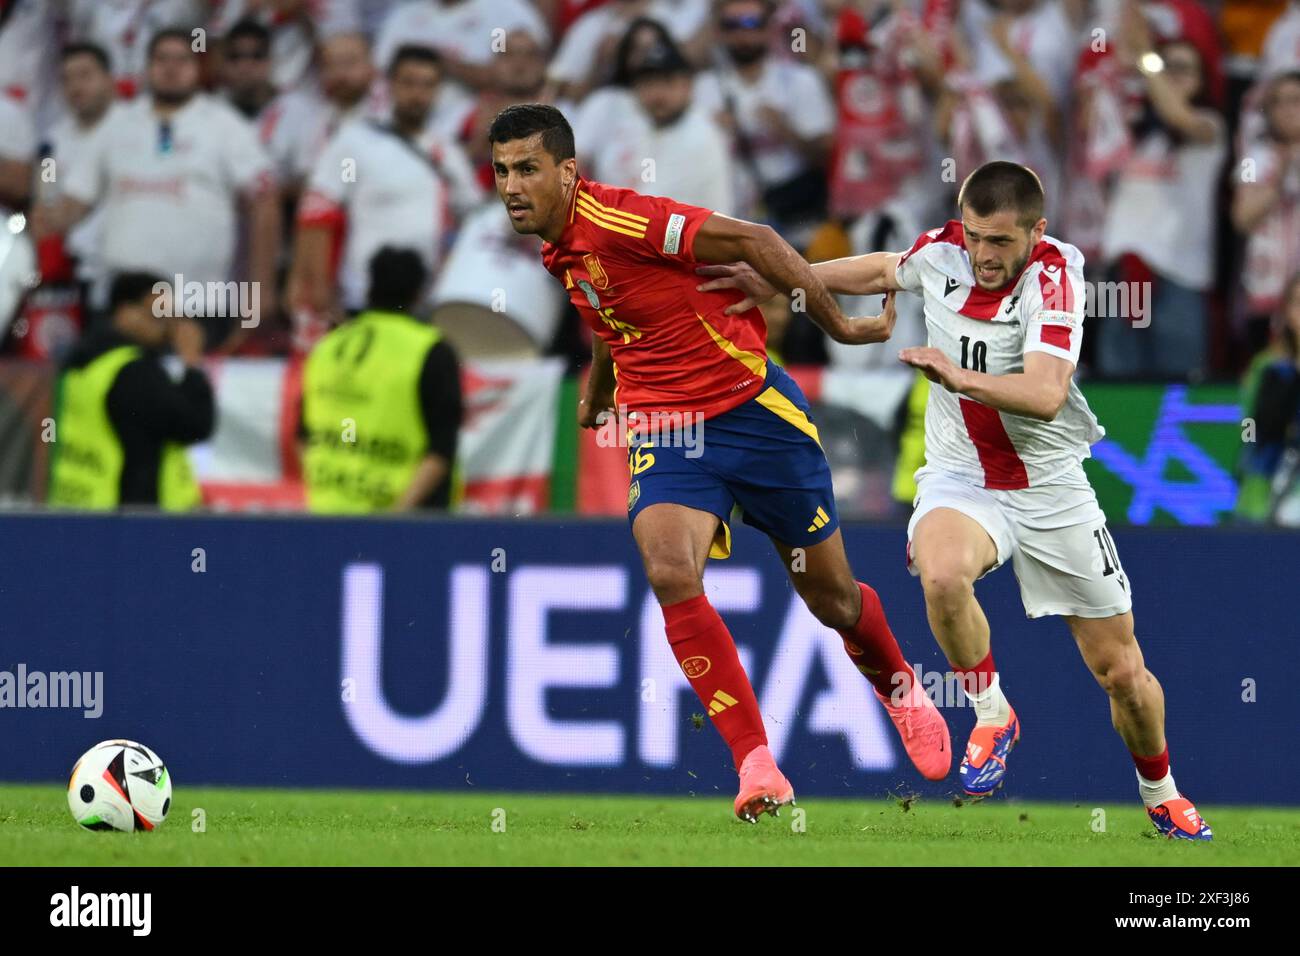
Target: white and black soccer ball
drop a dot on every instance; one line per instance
(120, 785)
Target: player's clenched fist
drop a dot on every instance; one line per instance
(589, 412)
(936, 366)
(870, 329)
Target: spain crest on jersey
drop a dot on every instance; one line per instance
(599, 278)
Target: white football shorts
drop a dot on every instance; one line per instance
(1055, 535)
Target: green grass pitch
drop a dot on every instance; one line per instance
(301, 827)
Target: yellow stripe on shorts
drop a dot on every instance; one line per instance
(779, 405)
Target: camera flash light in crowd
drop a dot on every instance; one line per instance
(1151, 62)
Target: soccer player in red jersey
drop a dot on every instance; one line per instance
(668, 354)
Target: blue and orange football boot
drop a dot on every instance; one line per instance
(763, 788)
(985, 763)
(1178, 820)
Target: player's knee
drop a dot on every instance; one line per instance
(1121, 676)
(947, 586)
(836, 608)
(672, 580)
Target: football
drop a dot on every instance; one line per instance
(119, 785)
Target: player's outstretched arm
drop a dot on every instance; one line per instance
(1038, 392)
(872, 274)
(721, 239)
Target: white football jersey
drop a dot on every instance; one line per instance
(1042, 311)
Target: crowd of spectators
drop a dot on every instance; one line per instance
(211, 139)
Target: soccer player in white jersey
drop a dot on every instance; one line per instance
(1005, 436)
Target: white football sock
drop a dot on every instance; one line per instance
(990, 704)
(1156, 792)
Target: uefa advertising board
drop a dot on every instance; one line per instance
(460, 653)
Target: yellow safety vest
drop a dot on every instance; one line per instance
(361, 412)
(87, 455)
(911, 445)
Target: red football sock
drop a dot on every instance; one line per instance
(977, 679)
(707, 654)
(1153, 768)
(873, 649)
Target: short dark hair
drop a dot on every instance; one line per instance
(662, 59)
(623, 54)
(414, 53)
(130, 288)
(397, 276)
(93, 50)
(1001, 185)
(248, 29)
(170, 33)
(528, 119)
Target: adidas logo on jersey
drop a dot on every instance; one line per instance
(721, 701)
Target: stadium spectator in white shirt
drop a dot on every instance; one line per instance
(29, 56)
(519, 72)
(296, 126)
(391, 183)
(606, 105)
(587, 51)
(88, 93)
(169, 172)
(1160, 222)
(294, 27)
(125, 30)
(666, 145)
(780, 114)
(466, 33)
(1028, 38)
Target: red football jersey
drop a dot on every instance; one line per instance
(628, 264)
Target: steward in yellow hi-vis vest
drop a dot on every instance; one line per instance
(381, 403)
(121, 422)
